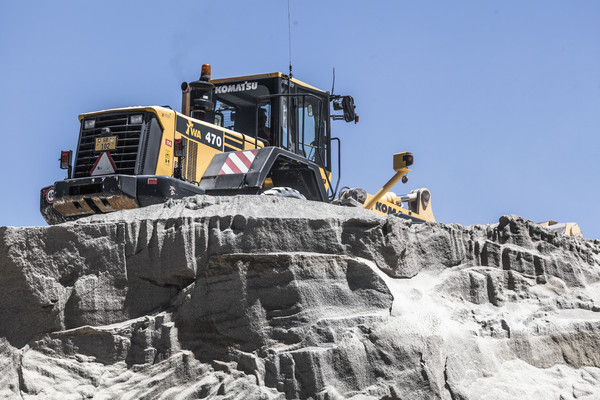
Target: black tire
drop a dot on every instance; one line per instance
(283, 192)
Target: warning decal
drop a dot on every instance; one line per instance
(104, 165)
(167, 157)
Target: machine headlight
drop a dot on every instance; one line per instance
(89, 124)
(136, 119)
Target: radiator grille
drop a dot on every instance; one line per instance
(188, 165)
(192, 160)
(125, 154)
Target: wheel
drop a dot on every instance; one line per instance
(283, 192)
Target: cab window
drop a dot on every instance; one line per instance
(311, 128)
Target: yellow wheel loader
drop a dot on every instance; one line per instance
(268, 133)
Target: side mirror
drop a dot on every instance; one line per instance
(349, 109)
(345, 103)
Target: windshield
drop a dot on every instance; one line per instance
(236, 109)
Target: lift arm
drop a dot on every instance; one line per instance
(401, 163)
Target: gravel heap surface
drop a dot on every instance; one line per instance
(255, 297)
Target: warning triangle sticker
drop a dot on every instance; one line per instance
(104, 165)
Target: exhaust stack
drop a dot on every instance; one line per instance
(197, 96)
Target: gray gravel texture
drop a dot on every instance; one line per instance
(255, 297)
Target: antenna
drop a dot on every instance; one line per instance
(290, 37)
(333, 83)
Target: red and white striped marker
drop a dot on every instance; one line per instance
(238, 162)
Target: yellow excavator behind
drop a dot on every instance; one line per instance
(565, 228)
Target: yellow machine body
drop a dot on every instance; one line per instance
(198, 153)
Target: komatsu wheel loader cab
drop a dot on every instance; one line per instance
(234, 136)
(290, 118)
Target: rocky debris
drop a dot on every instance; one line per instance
(254, 297)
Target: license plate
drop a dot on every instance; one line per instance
(106, 143)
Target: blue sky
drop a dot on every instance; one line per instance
(498, 100)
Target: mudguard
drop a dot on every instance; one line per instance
(245, 172)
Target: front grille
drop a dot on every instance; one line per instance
(128, 142)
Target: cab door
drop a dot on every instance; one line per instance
(304, 123)
(311, 120)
